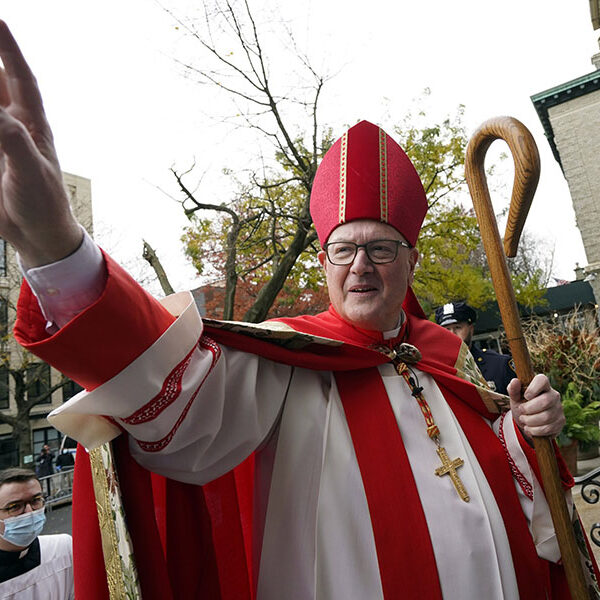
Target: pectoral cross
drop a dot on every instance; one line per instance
(449, 468)
(401, 356)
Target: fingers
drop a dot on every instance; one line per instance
(548, 423)
(539, 384)
(16, 143)
(4, 93)
(514, 389)
(20, 94)
(34, 210)
(20, 79)
(541, 414)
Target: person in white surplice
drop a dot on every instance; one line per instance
(32, 566)
(381, 465)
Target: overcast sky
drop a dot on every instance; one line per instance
(123, 113)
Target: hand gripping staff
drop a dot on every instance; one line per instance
(527, 173)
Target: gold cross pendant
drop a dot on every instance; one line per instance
(449, 468)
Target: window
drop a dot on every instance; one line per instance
(70, 389)
(4, 389)
(2, 258)
(9, 455)
(3, 316)
(38, 382)
(47, 435)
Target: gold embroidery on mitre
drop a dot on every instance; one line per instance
(343, 170)
(383, 191)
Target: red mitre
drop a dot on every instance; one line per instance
(366, 175)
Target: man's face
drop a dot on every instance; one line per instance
(365, 294)
(16, 491)
(463, 330)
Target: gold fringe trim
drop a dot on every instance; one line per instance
(383, 191)
(343, 171)
(115, 576)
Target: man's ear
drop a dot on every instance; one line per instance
(322, 256)
(413, 258)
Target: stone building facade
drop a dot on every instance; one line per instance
(570, 114)
(40, 375)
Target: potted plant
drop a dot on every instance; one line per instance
(581, 429)
(568, 351)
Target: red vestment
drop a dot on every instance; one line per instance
(202, 546)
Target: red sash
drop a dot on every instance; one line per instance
(399, 527)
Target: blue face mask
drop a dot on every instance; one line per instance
(23, 529)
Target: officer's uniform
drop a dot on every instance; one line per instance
(497, 369)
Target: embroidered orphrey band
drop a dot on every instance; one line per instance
(122, 579)
(343, 165)
(383, 192)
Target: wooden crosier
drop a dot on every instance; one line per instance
(527, 171)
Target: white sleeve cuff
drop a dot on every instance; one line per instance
(68, 286)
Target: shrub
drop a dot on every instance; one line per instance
(568, 351)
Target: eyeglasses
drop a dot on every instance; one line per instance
(18, 508)
(378, 252)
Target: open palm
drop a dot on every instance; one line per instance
(35, 215)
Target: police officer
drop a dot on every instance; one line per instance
(459, 318)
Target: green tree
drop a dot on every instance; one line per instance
(252, 241)
(261, 242)
(449, 239)
(447, 244)
(452, 263)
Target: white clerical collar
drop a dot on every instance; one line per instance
(392, 333)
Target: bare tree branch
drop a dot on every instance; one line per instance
(270, 219)
(149, 254)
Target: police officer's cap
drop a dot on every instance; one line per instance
(455, 312)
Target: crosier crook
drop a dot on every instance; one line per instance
(527, 172)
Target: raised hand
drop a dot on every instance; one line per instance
(35, 216)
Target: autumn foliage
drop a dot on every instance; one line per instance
(258, 243)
